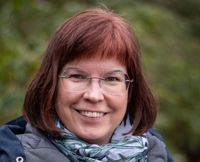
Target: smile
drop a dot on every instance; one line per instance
(91, 114)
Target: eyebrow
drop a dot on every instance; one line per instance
(78, 69)
(75, 68)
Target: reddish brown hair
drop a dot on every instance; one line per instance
(91, 33)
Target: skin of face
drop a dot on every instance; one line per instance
(69, 104)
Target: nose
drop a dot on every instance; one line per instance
(94, 93)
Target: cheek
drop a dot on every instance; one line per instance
(62, 105)
(123, 105)
(66, 99)
(62, 99)
(119, 103)
(62, 95)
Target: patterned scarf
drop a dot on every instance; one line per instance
(127, 148)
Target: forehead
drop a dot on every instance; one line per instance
(96, 65)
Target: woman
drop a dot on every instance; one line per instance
(89, 100)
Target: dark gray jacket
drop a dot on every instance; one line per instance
(38, 148)
(21, 142)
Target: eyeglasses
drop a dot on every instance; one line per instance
(77, 80)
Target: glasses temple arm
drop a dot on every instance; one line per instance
(61, 76)
(129, 80)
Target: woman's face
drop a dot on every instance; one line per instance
(110, 108)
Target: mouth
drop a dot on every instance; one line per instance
(92, 114)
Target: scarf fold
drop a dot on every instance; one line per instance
(122, 148)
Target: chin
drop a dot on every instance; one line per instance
(95, 137)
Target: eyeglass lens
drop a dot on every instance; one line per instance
(111, 82)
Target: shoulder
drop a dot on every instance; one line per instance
(20, 140)
(36, 146)
(157, 150)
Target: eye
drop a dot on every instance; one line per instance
(111, 79)
(76, 76)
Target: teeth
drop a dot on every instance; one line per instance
(92, 114)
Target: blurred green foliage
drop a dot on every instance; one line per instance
(169, 36)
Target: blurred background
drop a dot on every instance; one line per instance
(169, 35)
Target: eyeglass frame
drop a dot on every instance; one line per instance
(90, 79)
